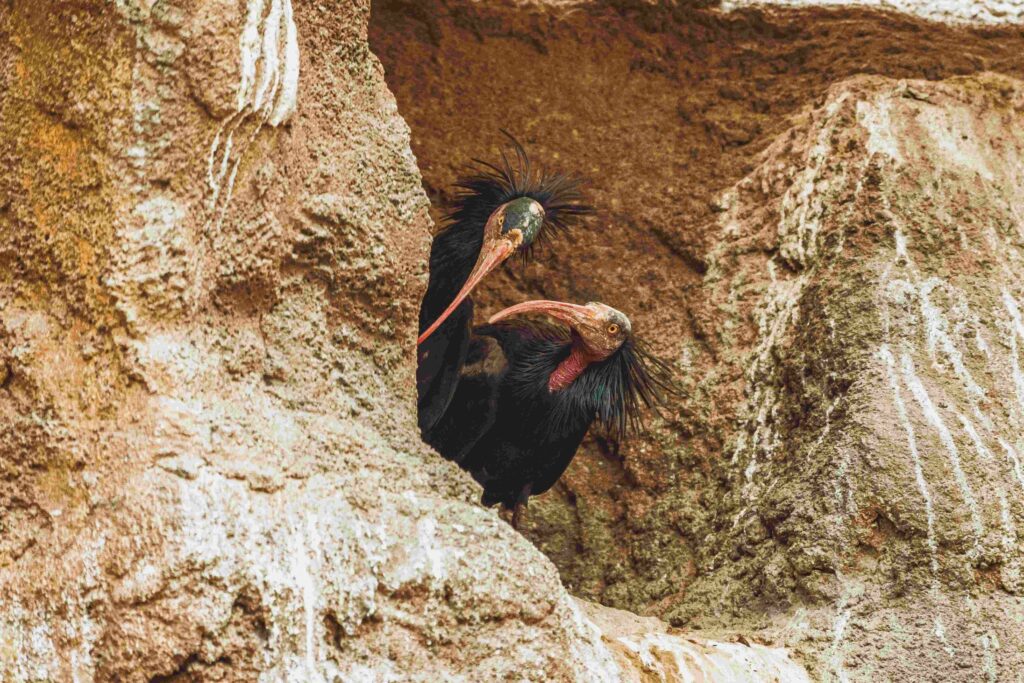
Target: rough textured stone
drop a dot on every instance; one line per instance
(877, 475)
(832, 263)
(992, 12)
(212, 246)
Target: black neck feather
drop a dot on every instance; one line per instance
(616, 391)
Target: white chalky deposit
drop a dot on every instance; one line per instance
(267, 90)
(990, 12)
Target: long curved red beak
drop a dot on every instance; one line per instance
(572, 314)
(496, 248)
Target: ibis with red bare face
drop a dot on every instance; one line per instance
(502, 209)
(529, 391)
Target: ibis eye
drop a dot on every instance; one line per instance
(613, 329)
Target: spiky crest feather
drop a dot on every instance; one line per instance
(487, 186)
(618, 389)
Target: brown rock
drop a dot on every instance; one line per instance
(212, 244)
(212, 240)
(783, 496)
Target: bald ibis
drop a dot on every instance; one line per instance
(530, 391)
(500, 210)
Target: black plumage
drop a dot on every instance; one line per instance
(498, 210)
(513, 432)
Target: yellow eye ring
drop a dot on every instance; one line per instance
(613, 329)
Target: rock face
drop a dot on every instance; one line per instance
(833, 263)
(992, 12)
(877, 475)
(212, 248)
(212, 245)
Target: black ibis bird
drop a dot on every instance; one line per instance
(500, 210)
(530, 391)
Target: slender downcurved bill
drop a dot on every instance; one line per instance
(495, 249)
(572, 314)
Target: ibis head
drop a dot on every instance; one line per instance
(600, 329)
(501, 209)
(513, 226)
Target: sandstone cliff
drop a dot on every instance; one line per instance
(797, 237)
(213, 234)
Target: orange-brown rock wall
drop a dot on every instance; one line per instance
(798, 205)
(213, 237)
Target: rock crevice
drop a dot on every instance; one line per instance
(213, 237)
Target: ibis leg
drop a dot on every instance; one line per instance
(520, 507)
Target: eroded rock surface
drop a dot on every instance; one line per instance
(212, 246)
(832, 262)
(877, 480)
(992, 12)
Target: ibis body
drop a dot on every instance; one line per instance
(500, 210)
(529, 392)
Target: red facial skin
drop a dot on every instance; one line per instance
(600, 331)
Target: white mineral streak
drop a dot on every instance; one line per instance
(275, 547)
(289, 88)
(309, 591)
(991, 12)
(149, 132)
(940, 630)
(924, 401)
(1005, 514)
(803, 205)
(33, 644)
(838, 631)
(1014, 460)
(942, 337)
(1017, 332)
(945, 131)
(267, 90)
(989, 644)
(873, 116)
(843, 483)
(844, 612)
(779, 312)
(249, 47)
(915, 457)
(670, 658)
(938, 332)
(84, 630)
(590, 647)
(1018, 375)
(922, 485)
(802, 208)
(156, 271)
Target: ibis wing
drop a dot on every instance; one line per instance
(551, 461)
(474, 405)
(439, 364)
